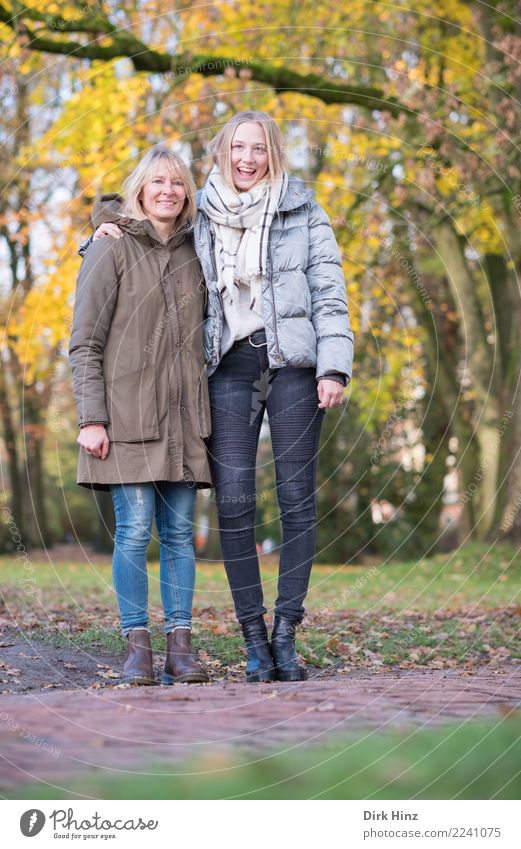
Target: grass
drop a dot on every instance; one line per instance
(472, 575)
(469, 761)
(451, 609)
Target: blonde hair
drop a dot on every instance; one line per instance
(220, 146)
(145, 171)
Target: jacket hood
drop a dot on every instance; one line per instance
(108, 209)
(297, 194)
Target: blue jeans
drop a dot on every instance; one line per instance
(135, 506)
(240, 389)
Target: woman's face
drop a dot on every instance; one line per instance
(163, 196)
(249, 156)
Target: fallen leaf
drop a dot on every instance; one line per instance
(109, 673)
(220, 629)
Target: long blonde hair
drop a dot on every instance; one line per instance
(145, 170)
(220, 146)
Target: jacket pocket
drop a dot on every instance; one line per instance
(203, 407)
(132, 407)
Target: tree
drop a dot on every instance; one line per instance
(434, 104)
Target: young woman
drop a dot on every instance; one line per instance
(142, 398)
(277, 337)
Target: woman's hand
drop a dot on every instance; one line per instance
(107, 229)
(330, 393)
(94, 439)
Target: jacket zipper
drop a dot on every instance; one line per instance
(212, 243)
(270, 275)
(214, 268)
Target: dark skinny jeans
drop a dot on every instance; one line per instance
(240, 389)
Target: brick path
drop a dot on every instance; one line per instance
(47, 736)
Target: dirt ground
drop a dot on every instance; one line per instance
(64, 711)
(27, 665)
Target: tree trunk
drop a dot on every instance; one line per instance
(508, 515)
(34, 433)
(483, 365)
(13, 459)
(507, 308)
(441, 350)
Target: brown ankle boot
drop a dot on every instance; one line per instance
(138, 667)
(181, 667)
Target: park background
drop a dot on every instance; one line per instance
(406, 123)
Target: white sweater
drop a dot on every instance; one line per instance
(239, 319)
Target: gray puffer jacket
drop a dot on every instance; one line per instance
(303, 294)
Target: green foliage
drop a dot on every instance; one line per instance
(345, 527)
(472, 760)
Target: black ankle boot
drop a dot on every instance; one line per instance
(283, 649)
(260, 665)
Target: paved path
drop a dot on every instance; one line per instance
(49, 735)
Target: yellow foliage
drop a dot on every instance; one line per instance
(41, 325)
(114, 114)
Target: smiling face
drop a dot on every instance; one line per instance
(249, 156)
(162, 196)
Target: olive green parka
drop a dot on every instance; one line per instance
(136, 353)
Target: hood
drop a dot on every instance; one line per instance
(297, 194)
(108, 209)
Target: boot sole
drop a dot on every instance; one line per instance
(190, 678)
(143, 682)
(267, 677)
(292, 676)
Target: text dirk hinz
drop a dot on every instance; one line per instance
(389, 815)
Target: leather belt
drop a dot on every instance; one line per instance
(256, 340)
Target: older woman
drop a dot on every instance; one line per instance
(142, 397)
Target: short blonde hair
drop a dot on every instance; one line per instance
(145, 171)
(220, 146)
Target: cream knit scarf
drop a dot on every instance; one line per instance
(241, 223)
